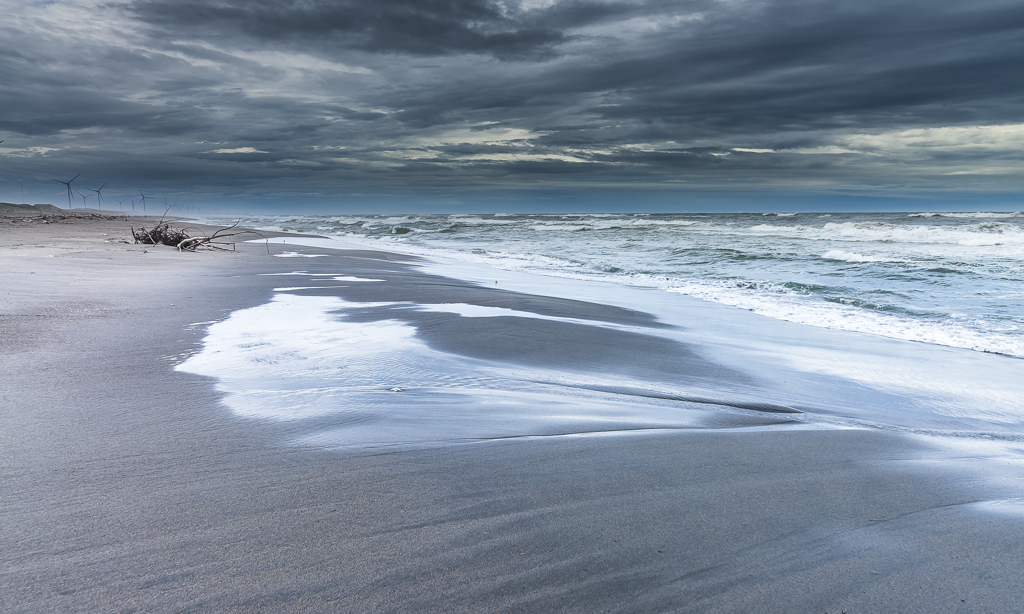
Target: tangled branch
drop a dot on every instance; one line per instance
(165, 234)
(161, 234)
(216, 240)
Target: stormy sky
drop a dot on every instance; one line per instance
(505, 105)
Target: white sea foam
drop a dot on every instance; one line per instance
(777, 301)
(983, 214)
(351, 278)
(331, 275)
(472, 220)
(561, 227)
(838, 254)
(483, 311)
(282, 359)
(646, 222)
(992, 233)
(970, 215)
(297, 359)
(297, 273)
(298, 255)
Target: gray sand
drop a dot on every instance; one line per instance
(128, 487)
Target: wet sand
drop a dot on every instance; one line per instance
(128, 486)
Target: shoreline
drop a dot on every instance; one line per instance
(131, 485)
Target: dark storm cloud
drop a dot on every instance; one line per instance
(778, 67)
(423, 27)
(321, 97)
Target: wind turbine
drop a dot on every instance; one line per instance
(119, 205)
(66, 183)
(84, 196)
(143, 200)
(99, 194)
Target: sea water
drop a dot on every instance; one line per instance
(951, 279)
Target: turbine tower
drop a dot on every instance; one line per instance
(84, 196)
(99, 194)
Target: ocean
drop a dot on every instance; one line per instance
(950, 279)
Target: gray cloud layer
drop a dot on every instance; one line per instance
(310, 99)
(425, 27)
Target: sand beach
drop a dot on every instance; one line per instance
(133, 482)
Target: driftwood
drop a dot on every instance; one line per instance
(161, 234)
(216, 240)
(165, 234)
